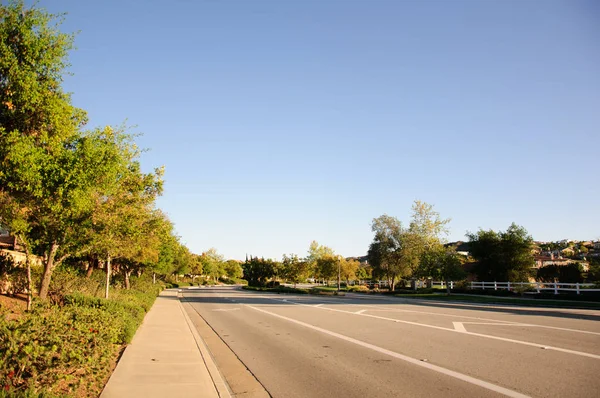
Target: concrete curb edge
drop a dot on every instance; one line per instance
(220, 384)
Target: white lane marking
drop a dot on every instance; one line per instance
(546, 347)
(482, 319)
(318, 305)
(413, 361)
(459, 327)
(360, 312)
(225, 309)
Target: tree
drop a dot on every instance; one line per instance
(327, 267)
(233, 269)
(349, 269)
(33, 59)
(315, 252)
(257, 271)
(570, 273)
(363, 273)
(295, 270)
(212, 263)
(427, 224)
(442, 264)
(48, 167)
(502, 256)
(124, 224)
(391, 254)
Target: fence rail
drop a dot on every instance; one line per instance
(538, 286)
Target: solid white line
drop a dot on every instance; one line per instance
(318, 305)
(360, 312)
(413, 361)
(479, 318)
(546, 347)
(459, 327)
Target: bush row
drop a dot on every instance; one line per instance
(67, 347)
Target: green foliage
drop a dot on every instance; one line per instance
(440, 263)
(233, 269)
(502, 256)
(294, 269)
(358, 289)
(53, 346)
(13, 277)
(257, 271)
(391, 253)
(69, 347)
(570, 273)
(327, 267)
(33, 58)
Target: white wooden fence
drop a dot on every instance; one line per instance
(538, 286)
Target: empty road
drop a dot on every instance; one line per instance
(359, 346)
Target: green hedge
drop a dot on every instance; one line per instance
(68, 349)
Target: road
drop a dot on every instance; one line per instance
(358, 346)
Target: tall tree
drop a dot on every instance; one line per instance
(33, 61)
(295, 270)
(316, 252)
(233, 269)
(41, 152)
(442, 264)
(502, 256)
(257, 271)
(391, 254)
(213, 263)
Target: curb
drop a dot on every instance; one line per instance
(220, 384)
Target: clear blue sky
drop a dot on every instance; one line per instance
(285, 121)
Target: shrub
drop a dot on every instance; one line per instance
(358, 289)
(56, 349)
(13, 276)
(68, 349)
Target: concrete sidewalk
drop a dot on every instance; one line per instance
(167, 357)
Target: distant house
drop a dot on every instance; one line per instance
(10, 246)
(8, 242)
(460, 247)
(597, 245)
(544, 261)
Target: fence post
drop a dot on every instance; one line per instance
(577, 286)
(555, 288)
(495, 286)
(451, 285)
(508, 286)
(537, 286)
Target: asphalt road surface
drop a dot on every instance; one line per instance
(365, 346)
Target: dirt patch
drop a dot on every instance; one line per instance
(13, 306)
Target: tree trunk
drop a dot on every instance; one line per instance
(92, 263)
(154, 277)
(48, 268)
(107, 276)
(127, 284)
(447, 287)
(29, 284)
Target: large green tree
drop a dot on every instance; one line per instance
(442, 263)
(295, 269)
(391, 254)
(502, 256)
(43, 171)
(257, 271)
